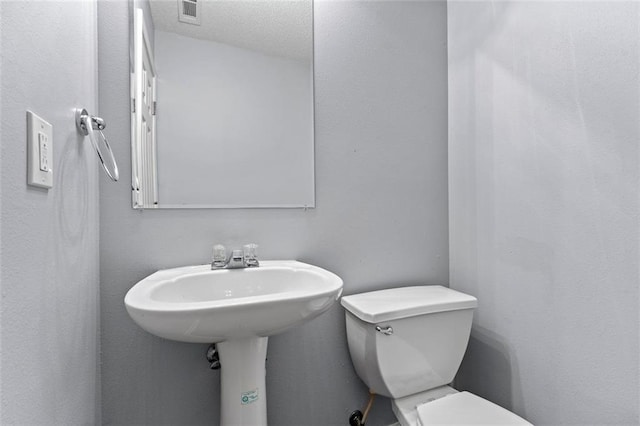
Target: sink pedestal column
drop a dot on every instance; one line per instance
(242, 382)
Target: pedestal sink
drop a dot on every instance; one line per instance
(237, 309)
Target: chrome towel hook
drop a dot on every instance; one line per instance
(87, 125)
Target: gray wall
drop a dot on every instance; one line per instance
(380, 221)
(49, 305)
(543, 175)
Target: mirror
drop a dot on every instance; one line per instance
(222, 103)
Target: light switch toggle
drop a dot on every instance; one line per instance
(43, 141)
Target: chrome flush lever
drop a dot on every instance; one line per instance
(388, 330)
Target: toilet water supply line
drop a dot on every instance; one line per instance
(366, 410)
(357, 418)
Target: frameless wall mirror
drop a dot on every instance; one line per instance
(222, 103)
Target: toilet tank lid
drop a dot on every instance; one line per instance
(404, 302)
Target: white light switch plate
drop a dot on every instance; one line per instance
(39, 151)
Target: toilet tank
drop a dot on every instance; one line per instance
(409, 339)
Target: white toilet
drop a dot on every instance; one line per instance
(407, 344)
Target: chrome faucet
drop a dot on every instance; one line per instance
(245, 258)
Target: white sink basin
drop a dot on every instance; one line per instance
(237, 309)
(196, 304)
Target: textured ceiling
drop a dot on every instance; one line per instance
(275, 27)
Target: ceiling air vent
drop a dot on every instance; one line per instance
(189, 11)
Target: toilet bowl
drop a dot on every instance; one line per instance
(407, 344)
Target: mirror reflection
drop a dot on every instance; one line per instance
(222, 94)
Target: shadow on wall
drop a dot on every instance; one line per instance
(488, 360)
(472, 29)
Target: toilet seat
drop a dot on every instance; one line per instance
(464, 408)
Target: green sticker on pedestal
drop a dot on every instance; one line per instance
(249, 396)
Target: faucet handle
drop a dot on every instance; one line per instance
(250, 254)
(219, 255)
